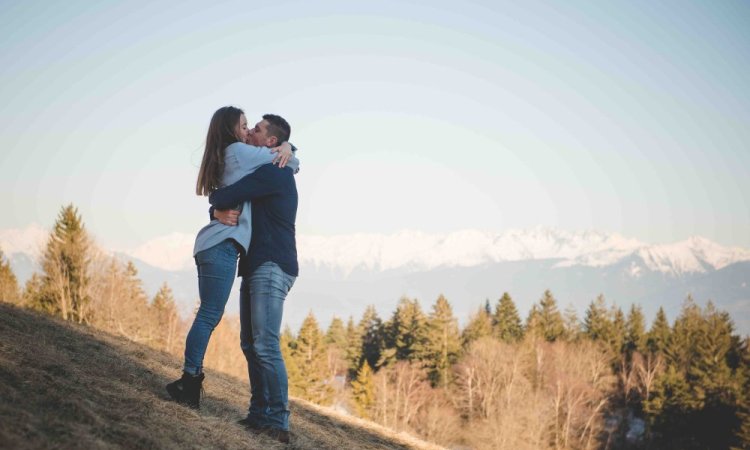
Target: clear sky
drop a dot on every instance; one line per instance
(631, 116)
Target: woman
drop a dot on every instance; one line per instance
(226, 159)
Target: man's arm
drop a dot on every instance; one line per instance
(261, 183)
(286, 158)
(250, 157)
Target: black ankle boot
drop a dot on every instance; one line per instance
(187, 390)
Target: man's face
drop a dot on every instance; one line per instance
(259, 136)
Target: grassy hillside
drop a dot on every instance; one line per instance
(69, 386)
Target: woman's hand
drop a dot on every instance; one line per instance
(283, 153)
(227, 216)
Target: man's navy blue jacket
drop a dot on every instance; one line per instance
(273, 193)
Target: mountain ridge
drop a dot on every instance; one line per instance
(624, 270)
(418, 251)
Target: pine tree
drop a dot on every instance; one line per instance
(372, 336)
(336, 334)
(697, 402)
(65, 264)
(666, 408)
(617, 340)
(353, 347)
(506, 321)
(311, 358)
(406, 330)
(443, 343)
(635, 340)
(336, 346)
(712, 378)
(597, 325)
(296, 380)
(479, 326)
(166, 320)
(130, 322)
(550, 319)
(658, 335)
(9, 291)
(571, 323)
(32, 290)
(363, 391)
(533, 327)
(742, 433)
(680, 349)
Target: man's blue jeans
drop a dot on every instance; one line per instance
(262, 296)
(216, 271)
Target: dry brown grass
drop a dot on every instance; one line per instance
(69, 386)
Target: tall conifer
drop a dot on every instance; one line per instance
(9, 291)
(533, 327)
(636, 330)
(506, 321)
(571, 323)
(617, 340)
(65, 265)
(597, 324)
(406, 330)
(166, 319)
(297, 382)
(363, 391)
(336, 335)
(372, 336)
(353, 347)
(550, 319)
(658, 335)
(443, 342)
(479, 326)
(311, 358)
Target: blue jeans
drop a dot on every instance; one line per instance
(262, 296)
(216, 271)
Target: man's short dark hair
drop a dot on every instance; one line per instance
(278, 127)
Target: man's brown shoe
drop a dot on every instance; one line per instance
(280, 435)
(251, 425)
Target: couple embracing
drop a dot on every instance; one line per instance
(248, 175)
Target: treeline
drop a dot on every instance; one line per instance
(549, 381)
(80, 283)
(552, 380)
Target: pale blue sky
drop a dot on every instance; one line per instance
(629, 117)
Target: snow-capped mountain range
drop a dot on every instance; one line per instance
(416, 251)
(340, 275)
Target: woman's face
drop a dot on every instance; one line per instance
(240, 130)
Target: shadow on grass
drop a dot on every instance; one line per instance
(64, 385)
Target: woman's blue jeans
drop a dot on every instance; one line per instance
(262, 296)
(217, 267)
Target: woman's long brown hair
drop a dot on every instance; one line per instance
(220, 135)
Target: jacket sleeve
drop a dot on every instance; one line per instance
(261, 183)
(250, 157)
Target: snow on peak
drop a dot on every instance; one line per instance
(695, 254)
(29, 240)
(171, 252)
(417, 251)
(465, 248)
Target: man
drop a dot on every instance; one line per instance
(268, 272)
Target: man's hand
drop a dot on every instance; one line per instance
(284, 152)
(227, 216)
